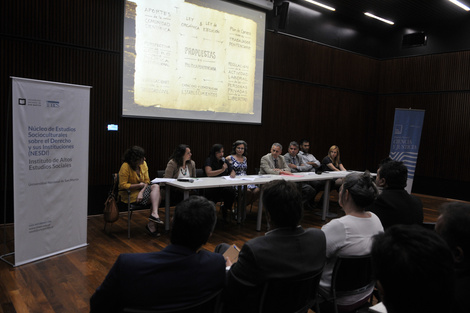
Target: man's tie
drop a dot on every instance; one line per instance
(275, 163)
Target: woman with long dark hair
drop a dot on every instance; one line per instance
(180, 165)
(216, 166)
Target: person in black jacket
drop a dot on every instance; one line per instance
(395, 205)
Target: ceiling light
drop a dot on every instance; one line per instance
(460, 4)
(321, 5)
(379, 18)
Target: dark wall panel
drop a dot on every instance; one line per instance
(303, 61)
(310, 90)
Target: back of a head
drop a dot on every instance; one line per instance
(193, 222)
(283, 202)
(454, 226)
(361, 187)
(395, 174)
(414, 267)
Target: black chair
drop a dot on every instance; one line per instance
(130, 206)
(351, 275)
(200, 172)
(207, 305)
(294, 295)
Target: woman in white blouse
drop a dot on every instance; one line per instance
(351, 235)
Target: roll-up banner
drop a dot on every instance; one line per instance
(50, 167)
(406, 137)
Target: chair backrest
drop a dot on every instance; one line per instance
(290, 295)
(200, 172)
(352, 275)
(207, 305)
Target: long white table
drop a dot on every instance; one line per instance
(216, 182)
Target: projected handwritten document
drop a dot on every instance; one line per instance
(194, 58)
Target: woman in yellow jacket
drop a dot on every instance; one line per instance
(134, 176)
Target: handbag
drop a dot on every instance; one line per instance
(111, 211)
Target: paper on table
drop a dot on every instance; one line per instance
(162, 180)
(239, 178)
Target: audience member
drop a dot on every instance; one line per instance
(454, 226)
(310, 159)
(238, 160)
(134, 175)
(180, 165)
(414, 270)
(216, 166)
(394, 205)
(177, 276)
(286, 251)
(297, 163)
(351, 235)
(273, 163)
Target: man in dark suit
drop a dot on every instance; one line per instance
(395, 205)
(179, 275)
(286, 251)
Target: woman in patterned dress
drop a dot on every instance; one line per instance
(238, 160)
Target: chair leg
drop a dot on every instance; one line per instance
(335, 305)
(129, 216)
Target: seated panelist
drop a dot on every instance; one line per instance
(134, 175)
(239, 162)
(216, 166)
(180, 165)
(273, 163)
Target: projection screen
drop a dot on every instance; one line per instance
(195, 60)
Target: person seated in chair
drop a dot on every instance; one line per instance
(297, 163)
(216, 166)
(179, 275)
(394, 205)
(350, 235)
(273, 163)
(414, 270)
(180, 165)
(454, 226)
(286, 251)
(134, 175)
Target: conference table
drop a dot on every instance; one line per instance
(239, 181)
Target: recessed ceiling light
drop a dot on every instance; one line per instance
(321, 5)
(379, 18)
(460, 4)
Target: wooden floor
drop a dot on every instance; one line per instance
(64, 283)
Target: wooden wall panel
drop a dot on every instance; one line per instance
(423, 74)
(327, 95)
(304, 61)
